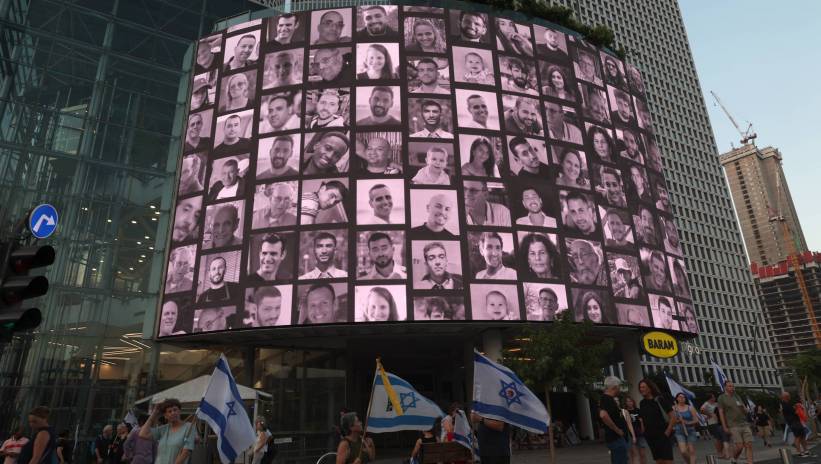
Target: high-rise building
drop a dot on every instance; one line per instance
(760, 193)
(789, 323)
(729, 314)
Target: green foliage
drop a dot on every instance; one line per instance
(565, 354)
(808, 365)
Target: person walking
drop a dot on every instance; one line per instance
(722, 439)
(793, 422)
(42, 448)
(685, 429)
(428, 436)
(733, 416)
(615, 427)
(763, 423)
(657, 414)
(175, 439)
(494, 439)
(637, 455)
(354, 449)
(11, 448)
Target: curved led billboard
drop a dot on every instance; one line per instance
(382, 163)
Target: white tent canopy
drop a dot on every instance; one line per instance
(193, 391)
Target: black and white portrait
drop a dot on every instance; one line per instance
(331, 26)
(380, 303)
(436, 265)
(215, 319)
(380, 201)
(477, 109)
(594, 103)
(578, 211)
(323, 201)
(268, 306)
(241, 50)
(287, 29)
(680, 286)
(331, 66)
(633, 314)
(613, 71)
(233, 134)
(562, 123)
(271, 257)
(572, 168)
(209, 51)
(469, 26)
(486, 203)
(543, 301)
(198, 131)
(326, 153)
(638, 186)
(278, 157)
(654, 270)
(377, 61)
(378, 106)
(491, 255)
(635, 81)
(434, 214)
(672, 243)
(585, 261)
(381, 255)
(238, 91)
(618, 230)
(660, 193)
(539, 257)
(218, 277)
(224, 224)
(176, 316)
(622, 112)
(192, 174)
(600, 143)
(557, 81)
(528, 158)
(439, 308)
(522, 115)
(518, 75)
(481, 156)
(204, 90)
(687, 315)
(323, 254)
(630, 145)
(431, 163)
(551, 44)
(532, 204)
(430, 118)
(593, 305)
(625, 276)
(494, 302)
(512, 37)
(647, 231)
(280, 112)
(187, 220)
(428, 75)
(180, 271)
(377, 22)
(653, 152)
(228, 178)
(586, 65)
(425, 35)
(609, 185)
(322, 303)
(283, 68)
(473, 66)
(327, 108)
(663, 312)
(275, 205)
(379, 152)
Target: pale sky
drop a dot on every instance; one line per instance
(764, 62)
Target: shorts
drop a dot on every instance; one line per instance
(741, 434)
(764, 430)
(691, 437)
(660, 447)
(797, 429)
(718, 433)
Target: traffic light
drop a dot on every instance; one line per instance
(16, 286)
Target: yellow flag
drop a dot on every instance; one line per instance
(397, 405)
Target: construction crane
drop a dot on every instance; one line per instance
(748, 135)
(776, 216)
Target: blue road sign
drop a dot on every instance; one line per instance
(43, 221)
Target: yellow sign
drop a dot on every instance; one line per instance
(659, 344)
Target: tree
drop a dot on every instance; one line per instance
(565, 354)
(807, 366)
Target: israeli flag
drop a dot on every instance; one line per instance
(418, 412)
(463, 434)
(223, 410)
(499, 394)
(719, 375)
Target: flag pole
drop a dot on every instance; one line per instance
(368, 414)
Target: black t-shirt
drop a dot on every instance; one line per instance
(608, 405)
(650, 411)
(790, 417)
(634, 418)
(493, 443)
(762, 419)
(68, 449)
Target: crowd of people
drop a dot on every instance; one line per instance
(661, 425)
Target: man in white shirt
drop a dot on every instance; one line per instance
(231, 183)
(478, 109)
(381, 252)
(324, 253)
(437, 276)
(479, 210)
(490, 247)
(432, 117)
(533, 203)
(281, 115)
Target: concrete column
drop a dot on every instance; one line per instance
(492, 344)
(629, 348)
(585, 421)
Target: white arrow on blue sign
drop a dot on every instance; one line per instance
(43, 221)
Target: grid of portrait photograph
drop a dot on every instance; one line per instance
(407, 163)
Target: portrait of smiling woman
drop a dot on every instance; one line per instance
(376, 61)
(424, 35)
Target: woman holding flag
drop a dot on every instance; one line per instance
(354, 448)
(685, 430)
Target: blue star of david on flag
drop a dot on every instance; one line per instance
(411, 400)
(231, 405)
(510, 392)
